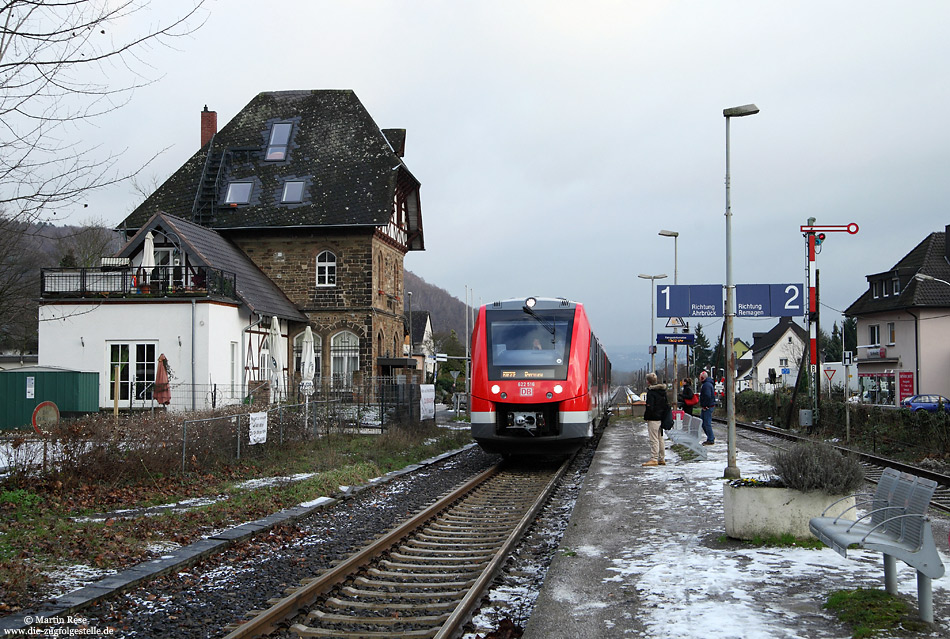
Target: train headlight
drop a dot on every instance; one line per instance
(550, 395)
(558, 389)
(530, 302)
(495, 389)
(504, 395)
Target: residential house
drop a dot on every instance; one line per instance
(780, 350)
(298, 212)
(421, 345)
(903, 319)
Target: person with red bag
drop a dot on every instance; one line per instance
(687, 397)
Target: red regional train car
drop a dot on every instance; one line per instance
(540, 378)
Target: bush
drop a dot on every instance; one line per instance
(811, 467)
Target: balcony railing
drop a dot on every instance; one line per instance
(161, 281)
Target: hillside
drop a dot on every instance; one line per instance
(446, 312)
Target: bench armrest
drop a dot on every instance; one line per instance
(866, 499)
(889, 519)
(871, 513)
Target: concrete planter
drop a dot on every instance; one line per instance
(758, 511)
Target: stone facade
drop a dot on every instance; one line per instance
(366, 299)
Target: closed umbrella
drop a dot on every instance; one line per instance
(308, 367)
(276, 361)
(148, 258)
(163, 392)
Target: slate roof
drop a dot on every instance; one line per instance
(930, 258)
(349, 165)
(206, 247)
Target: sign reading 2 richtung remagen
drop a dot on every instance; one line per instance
(752, 300)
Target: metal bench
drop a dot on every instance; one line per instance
(895, 525)
(688, 431)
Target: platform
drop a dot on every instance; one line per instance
(645, 555)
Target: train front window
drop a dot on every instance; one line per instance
(522, 346)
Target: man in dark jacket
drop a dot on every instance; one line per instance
(707, 403)
(656, 406)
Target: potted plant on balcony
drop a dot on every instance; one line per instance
(808, 478)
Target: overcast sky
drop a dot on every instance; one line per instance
(553, 140)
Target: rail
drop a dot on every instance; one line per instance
(160, 281)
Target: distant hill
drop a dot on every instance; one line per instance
(446, 312)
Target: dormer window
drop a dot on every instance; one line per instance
(238, 193)
(896, 286)
(279, 141)
(875, 289)
(293, 192)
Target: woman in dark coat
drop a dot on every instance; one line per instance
(656, 406)
(687, 398)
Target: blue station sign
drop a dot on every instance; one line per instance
(752, 300)
(676, 338)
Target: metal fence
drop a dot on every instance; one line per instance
(161, 440)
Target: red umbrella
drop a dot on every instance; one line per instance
(163, 393)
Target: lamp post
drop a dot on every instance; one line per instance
(923, 277)
(653, 279)
(675, 235)
(732, 469)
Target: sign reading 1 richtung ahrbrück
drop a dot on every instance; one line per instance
(752, 300)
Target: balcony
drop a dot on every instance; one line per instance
(161, 281)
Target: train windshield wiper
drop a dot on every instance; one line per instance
(549, 326)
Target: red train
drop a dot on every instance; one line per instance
(540, 378)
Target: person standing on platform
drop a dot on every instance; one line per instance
(656, 406)
(688, 399)
(707, 403)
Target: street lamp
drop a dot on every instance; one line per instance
(732, 469)
(675, 235)
(923, 277)
(653, 279)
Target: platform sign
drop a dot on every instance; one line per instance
(705, 300)
(672, 301)
(676, 338)
(770, 300)
(752, 300)
(788, 300)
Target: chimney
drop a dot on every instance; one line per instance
(209, 125)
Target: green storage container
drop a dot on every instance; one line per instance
(23, 389)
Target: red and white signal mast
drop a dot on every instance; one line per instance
(815, 235)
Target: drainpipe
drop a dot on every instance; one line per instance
(193, 373)
(916, 351)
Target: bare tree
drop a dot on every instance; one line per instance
(64, 63)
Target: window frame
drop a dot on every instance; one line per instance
(344, 357)
(140, 357)
(300, 198)
(277, 150)
(874, 335)
(326, 270)
(250, 191)
(891, 333)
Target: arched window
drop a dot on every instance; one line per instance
(326, 269)
(344, 357)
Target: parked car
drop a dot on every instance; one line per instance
(930, 403)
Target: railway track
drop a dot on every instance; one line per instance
(423, 578)
(874, 465)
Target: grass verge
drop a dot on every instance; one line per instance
(874, 613)
(45, 526)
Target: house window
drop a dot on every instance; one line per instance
(234, 369)
(136, 365)
(279, 141)
(783, 362)
(891, 334)
(874, 335)
(326, 269)
(875, 289)
(344, 357)
(293, 192)
(238, 193)
(895, 286)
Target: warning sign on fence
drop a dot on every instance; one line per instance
(258, 429)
